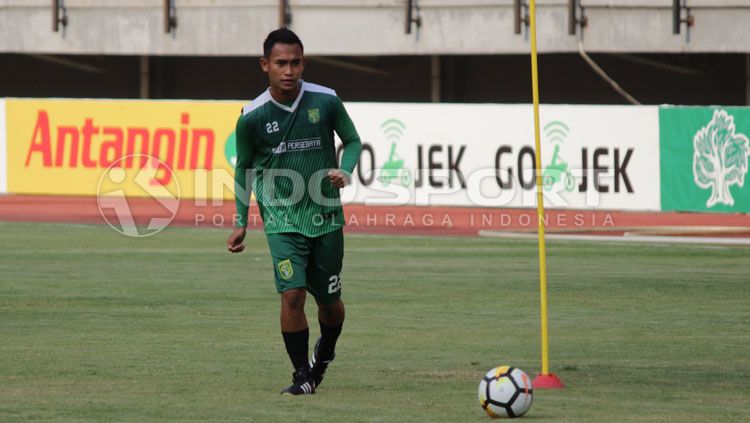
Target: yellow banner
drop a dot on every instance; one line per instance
(89, 147)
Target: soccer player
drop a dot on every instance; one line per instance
(286, 153)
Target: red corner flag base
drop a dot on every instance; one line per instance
(549, 381)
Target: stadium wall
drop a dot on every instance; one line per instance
(594, 157)
(369, 27)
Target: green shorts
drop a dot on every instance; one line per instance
(311, 263)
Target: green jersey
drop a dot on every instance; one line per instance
(286, 152)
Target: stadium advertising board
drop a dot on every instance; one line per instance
(70, 146)
(421, 154)
(704, 163)
(3, 151)
(603, 157)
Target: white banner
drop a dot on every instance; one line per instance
(593, 157)
(3, 150)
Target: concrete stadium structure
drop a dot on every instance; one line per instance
(465, 51)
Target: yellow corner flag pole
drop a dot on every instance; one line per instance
(545, 379)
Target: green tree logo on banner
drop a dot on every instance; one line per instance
(720, 158)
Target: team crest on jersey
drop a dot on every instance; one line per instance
(313, 115)
(285, 269)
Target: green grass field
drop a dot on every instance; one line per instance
(97, 326)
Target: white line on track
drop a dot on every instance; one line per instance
(692, 240)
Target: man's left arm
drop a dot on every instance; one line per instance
(345, 129)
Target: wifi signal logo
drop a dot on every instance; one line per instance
(558, 172)
(556, 131)
(393, 129)
(393, 170)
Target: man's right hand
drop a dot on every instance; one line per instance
(235, 241)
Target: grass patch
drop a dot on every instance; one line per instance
(98, 326)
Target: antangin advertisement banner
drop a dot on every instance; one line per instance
(141, 148)
(704, 158)
(3, 150)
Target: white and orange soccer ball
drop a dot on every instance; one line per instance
(506, 391)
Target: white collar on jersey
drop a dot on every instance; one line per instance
(266, 97)
(296, 101)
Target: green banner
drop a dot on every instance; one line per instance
(704, 158)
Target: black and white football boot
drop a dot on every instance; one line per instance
(302, 383)
(318, 367)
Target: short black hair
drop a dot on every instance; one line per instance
(283, 36)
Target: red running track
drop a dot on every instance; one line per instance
(406, 220)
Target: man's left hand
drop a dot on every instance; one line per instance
(338, 178)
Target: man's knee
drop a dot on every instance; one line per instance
(293, 299)
(333, 312)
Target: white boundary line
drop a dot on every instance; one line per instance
(695, 240)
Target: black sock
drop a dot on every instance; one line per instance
(328, 337)
(296, 346)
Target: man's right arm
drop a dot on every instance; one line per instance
(243, 171)
(242, 184)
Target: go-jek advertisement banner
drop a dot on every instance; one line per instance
(143, 148)
(704, 158)
(604, 157)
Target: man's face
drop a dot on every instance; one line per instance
(284, 67)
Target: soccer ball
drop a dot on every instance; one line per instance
(505, 391)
